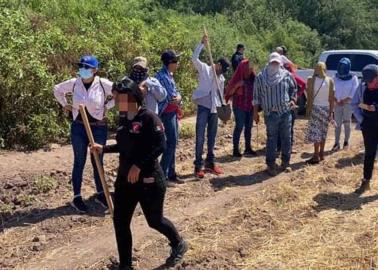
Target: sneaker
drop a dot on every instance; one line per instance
(271, 170)
(79, 205)
(175, 179)
(199, 173)
(313, 161)
(336, 147)
(100, 199)
(170, 183)
(285, 166)
(214, 169)
(177, 254)
(126, 268)
(365, 186)
(346, 145)
(236, 154)
(249, 153)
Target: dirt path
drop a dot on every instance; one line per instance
(48, 235)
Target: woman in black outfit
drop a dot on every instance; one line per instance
(140, 141)
(365, 105)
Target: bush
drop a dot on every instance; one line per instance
(41, 40)
(44, 184)
(187, 131)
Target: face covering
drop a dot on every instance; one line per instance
(343, 69)
(85, 73)
(373, 85)
(138, 75)
(273, 69)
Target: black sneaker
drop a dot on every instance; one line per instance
(177, 254)
(365, 186)
(236, 154)
(79, 205)
(125, 268)
(346, 145)
(175, 179)
(100, 199)
(336, 147)
(250, 153)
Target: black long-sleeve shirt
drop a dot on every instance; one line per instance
(139, 142)
(236, 58)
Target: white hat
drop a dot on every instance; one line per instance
(275, 57)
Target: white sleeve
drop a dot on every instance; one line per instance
(355, 85)
(108, 85)
(199, 65)
(60, 91)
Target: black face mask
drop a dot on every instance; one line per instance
(138, 76)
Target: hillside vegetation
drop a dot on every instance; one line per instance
(41, 40)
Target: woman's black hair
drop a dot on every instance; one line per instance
(128, 86)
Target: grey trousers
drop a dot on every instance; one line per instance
(343, 116)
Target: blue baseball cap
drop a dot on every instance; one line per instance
(88, 61)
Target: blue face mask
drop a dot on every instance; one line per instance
(85, 73)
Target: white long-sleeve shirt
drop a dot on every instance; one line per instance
(345, 89)
(93, 99)
(206, 93)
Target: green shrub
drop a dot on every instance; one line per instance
(187, 131)
(44, 184)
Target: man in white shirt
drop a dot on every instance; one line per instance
(208, 98)
(95, 93)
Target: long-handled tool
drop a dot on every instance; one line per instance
(224, 112)
(100, 169)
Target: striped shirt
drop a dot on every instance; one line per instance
(274, 98)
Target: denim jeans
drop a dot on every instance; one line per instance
(243, 119)
(293, 117)
(210, 120)
(168, 159)
(278, 125)
(80, 142)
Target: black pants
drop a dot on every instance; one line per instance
(151, 198)
(370, 134)
(293, 117)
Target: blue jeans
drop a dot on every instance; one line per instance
(80, 142)
(278, 125)
(205, 118)
(243, 119)
(168, 159)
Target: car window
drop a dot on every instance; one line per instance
(359, 61)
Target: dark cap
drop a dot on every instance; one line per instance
(169, 57)
(369, 73)
(224, 63)
(128, 86)
(240, 46)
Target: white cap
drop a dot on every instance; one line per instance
(275, 57)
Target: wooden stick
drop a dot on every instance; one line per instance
(100, 169)
(212, 60)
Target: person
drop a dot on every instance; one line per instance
(140, 140)
(207, 98)
(365, 110)
(238, 56)
(320, 104)
(156, 93)
(275, 92)
(282, 51)
(94, 92)
(301, 86)
(169, 111)
(240, 90)
(346, 85)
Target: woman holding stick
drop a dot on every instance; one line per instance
(140, 141)
(93, 92)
